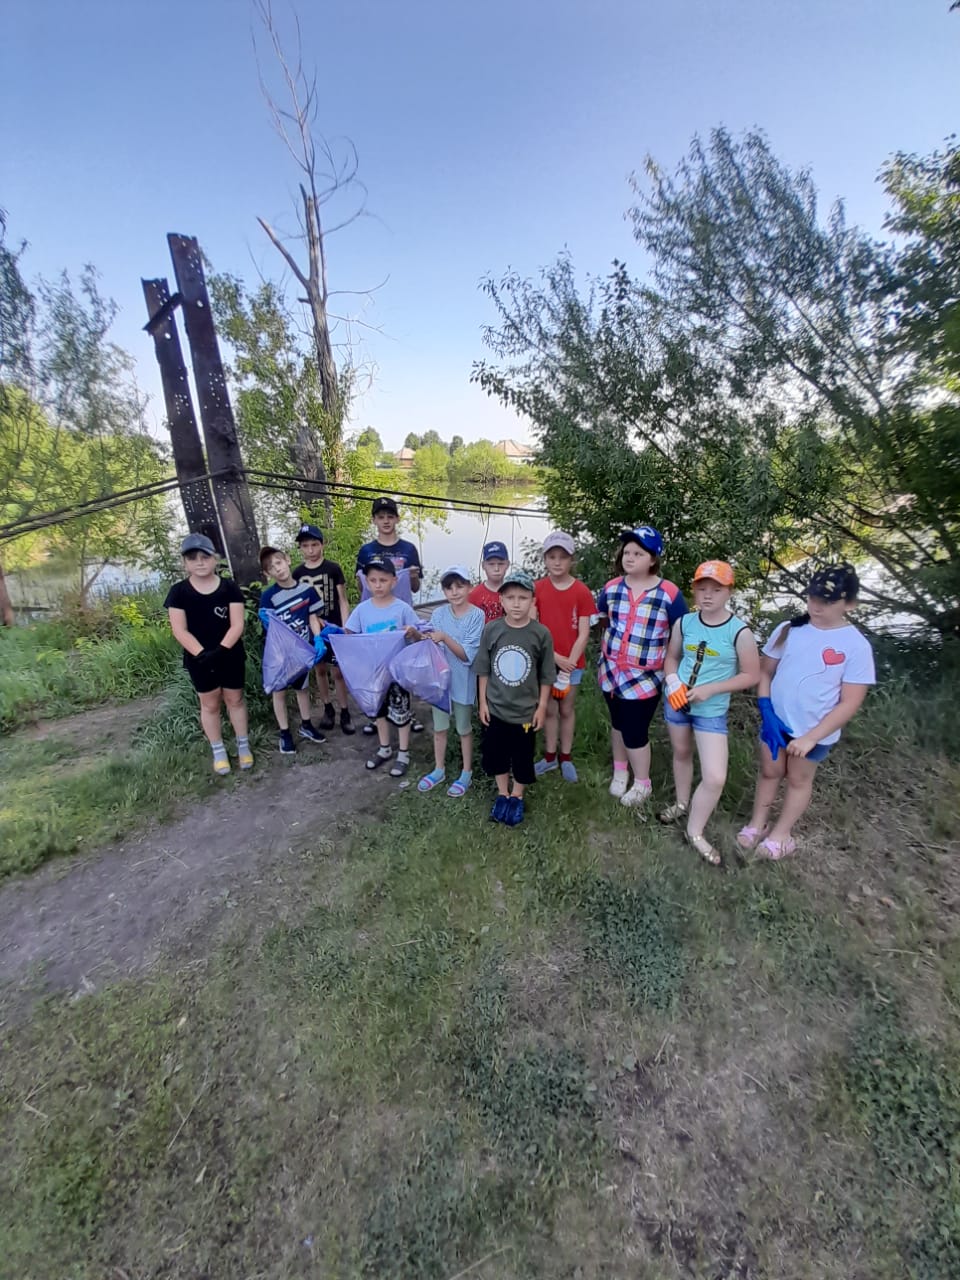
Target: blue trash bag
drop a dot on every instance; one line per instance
(364, 663)
(423, 670)
(287, 657)
(402, 589)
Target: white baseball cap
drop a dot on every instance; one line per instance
(559, 539)
(455, 571)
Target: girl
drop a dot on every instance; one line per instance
(565, 606)
(711, 654)
(206, 618)
(641, 607)
(814, 676)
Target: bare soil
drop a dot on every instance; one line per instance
(74, 927)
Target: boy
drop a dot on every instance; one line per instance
(206, 618)
(388, 545)
(516, 669)
(486, 595)
(384, 612)
(565, 606)
(457, 628)
(299, 606)
(326, 578)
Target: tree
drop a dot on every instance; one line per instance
(412, 441)
(431, 437)
(455, 444)
(431, 465)
(370, 439)
(479, 463)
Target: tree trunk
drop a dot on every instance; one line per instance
(6, 604)
(308, 462)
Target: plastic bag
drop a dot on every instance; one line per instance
(287, 657)
(402, 589)
(364, 663)
(423, 670)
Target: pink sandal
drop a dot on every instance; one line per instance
(747, 837)
(776, 849)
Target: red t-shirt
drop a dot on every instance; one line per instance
(487, 600)
(561, 611)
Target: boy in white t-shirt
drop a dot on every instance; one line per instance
(814, 674)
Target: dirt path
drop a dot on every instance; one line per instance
(73, 927)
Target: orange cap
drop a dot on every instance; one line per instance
(718, 570)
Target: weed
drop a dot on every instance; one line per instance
(637, 934)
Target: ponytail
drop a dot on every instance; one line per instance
(800, 620)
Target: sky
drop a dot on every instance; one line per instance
(490, 136)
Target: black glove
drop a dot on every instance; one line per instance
(206, 657)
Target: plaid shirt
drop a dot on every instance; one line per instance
(635, 641)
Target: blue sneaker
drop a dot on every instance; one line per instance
(311, 734)
(500, 809)
(514, 814)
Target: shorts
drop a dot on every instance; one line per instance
(226, 671)
(819, 752)
(508, 748)
(575, 676)
(462, 713)
(699, 724)
(632, 717)
(397, 706)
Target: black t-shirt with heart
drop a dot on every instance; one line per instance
(208, 616)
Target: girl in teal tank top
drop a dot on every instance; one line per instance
(711, 654)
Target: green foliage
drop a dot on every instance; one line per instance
(480, 463)
(638, 936)
(431, 466)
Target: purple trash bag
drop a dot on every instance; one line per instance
(287, 657)
(364, 663)
(423, 670)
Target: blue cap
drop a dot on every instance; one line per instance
(647, 536)
(495, 551)
(308, 531)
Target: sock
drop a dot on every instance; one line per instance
(620, 766)
(243, 744)
(466, 776)
(564, 755)
(219, 750)
(435, 775)
(384, 752)
(550, 756)
(643, 783)
(403, 757)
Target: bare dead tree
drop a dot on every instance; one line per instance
(328, 173)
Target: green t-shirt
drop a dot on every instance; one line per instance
(517, 661)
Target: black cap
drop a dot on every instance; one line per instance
(385, 504)
(835, 582)
(308, 531)
(381, 563)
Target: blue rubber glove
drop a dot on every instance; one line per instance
(319, 647)
(264, 616)
(331, 629)
(773, 732)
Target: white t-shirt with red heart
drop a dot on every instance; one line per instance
(814, 663)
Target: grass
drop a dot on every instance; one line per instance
(569, 1050)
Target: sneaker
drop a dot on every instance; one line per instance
(499, 811)
(673, 813)
(514, 813)
(369, 729)
(568, 771)
(329, 717)
(545, 766)
(637, 795)
(619, 783)
(416, 726)
(286, 743)
(346, 724)
(310, 733)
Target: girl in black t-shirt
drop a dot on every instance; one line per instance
(206, 618)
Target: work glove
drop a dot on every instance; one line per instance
(773, 732)
(319, 647)
(207, 656)
(264, 615)
(676, 692)
(331, 629)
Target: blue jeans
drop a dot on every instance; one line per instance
(701, 724)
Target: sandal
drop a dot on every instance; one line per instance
(376, 761)
(673, 813)
(400, 768)
(457, 789)
(747, 837)
(705, 849)
(431, 780)
(776, 849)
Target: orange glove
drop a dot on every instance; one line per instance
(676, 693)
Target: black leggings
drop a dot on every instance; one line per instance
(632, 717)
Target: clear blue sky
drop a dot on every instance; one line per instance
(490, 135)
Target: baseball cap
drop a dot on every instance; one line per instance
(559, 539)
(197, 542)
(455, 571)
(647, 536)
(309, 531)
(717, 570)
(835, 582)
(385, 504)
(495, 551)
(381, 563)
(517, 578)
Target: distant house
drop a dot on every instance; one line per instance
(515, 452)
(404, 458)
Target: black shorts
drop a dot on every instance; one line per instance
(397, 706)
(508, 748)
(226, 671)
(632, 717)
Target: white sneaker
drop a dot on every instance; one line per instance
(619, 783)
(638, 794)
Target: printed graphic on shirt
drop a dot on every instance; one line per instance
(512, 665)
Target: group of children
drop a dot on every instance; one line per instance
(516, 649)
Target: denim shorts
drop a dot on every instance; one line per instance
(819, 752)
(700, 724)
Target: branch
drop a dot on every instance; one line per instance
(288, 257)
